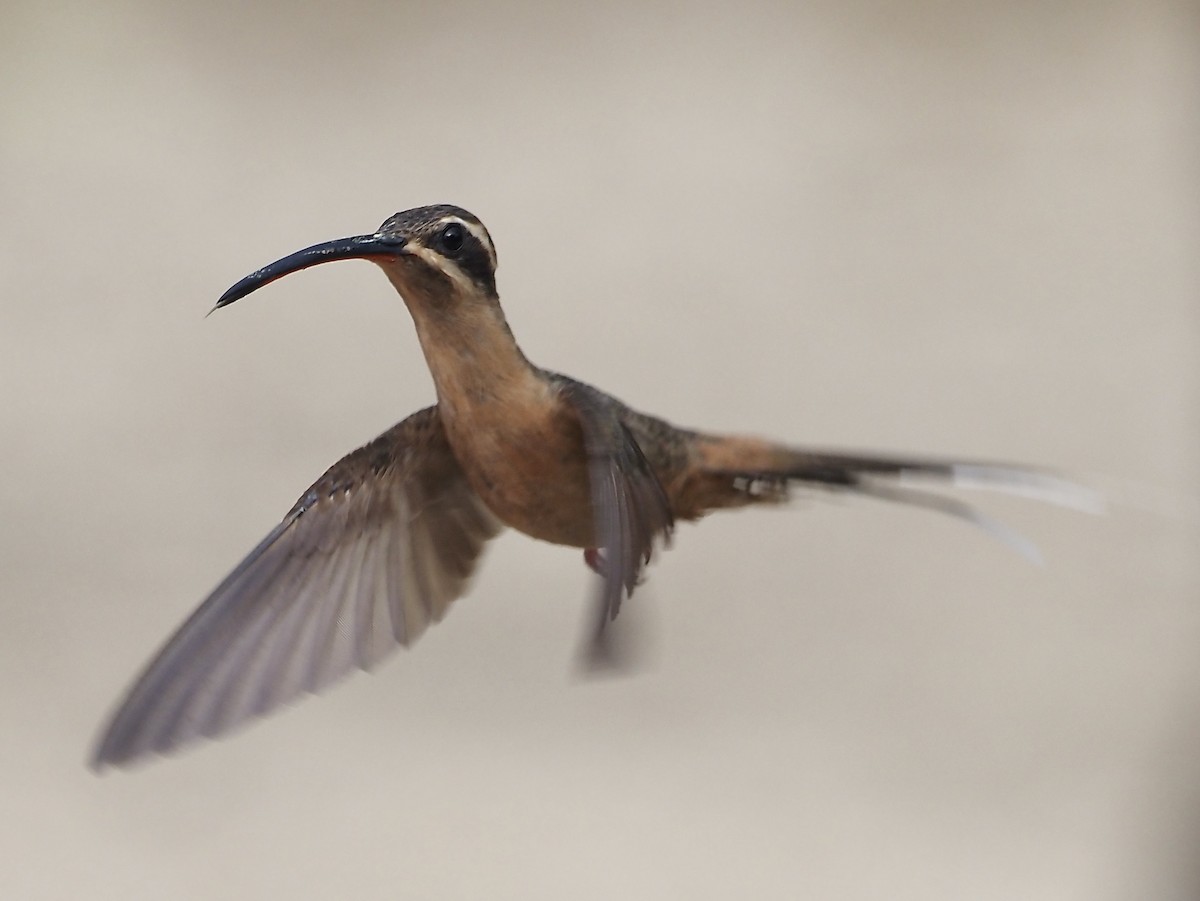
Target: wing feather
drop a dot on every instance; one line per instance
(630, 507)
(376, 550)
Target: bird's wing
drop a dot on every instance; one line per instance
(630, 507)
(372, 554)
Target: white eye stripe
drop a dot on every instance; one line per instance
(442, 264)
(480, 234)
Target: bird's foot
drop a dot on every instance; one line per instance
(595, 561)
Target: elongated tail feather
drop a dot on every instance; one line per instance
(774, 471)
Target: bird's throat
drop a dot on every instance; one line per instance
(478, 370)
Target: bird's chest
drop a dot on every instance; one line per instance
(527, 462)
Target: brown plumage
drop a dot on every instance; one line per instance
(388, 537)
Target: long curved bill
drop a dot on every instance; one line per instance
(356, 248)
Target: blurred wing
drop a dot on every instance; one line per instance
(630, 507)
(372, 554)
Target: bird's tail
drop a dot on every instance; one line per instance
(740, 471)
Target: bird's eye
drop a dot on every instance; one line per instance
(450, 238)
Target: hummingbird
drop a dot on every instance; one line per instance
(381, 544)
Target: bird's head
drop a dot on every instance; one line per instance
(432, 254)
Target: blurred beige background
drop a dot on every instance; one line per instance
(937, 227)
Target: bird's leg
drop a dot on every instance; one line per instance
(595, 561)
(593, 557)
